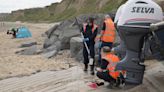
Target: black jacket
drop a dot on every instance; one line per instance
(89, 34)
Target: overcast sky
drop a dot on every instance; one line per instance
(6, 6)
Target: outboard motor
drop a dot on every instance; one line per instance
(136, 14)
(120, 50)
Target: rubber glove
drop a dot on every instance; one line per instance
(86, 39)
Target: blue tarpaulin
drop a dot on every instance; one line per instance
(23, 32)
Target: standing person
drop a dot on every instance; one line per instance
(89, 31)
(107, 34)
(14, 32)
(107, 70)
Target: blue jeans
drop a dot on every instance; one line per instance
(102, 45)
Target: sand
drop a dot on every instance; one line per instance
(52, 80)
(12, 64)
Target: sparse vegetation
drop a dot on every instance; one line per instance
(65, 10)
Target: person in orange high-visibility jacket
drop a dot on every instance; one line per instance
(107, 34)
(107, 70)
(108, 31)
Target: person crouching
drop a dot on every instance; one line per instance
(107, 68)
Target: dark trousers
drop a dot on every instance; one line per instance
(106, 77)
(14, 34)
(85, 53)
(109, 44)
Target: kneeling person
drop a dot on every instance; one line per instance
(107, 69)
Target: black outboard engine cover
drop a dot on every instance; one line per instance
(134, 39)
(135, 15)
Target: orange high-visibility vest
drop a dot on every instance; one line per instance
(93, 28)
(113, 60)
(109, 33)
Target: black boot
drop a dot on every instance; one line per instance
(85, 67)
(92, 69)
(118, 82)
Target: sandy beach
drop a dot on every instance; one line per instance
(34, 73)
(12, 64)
